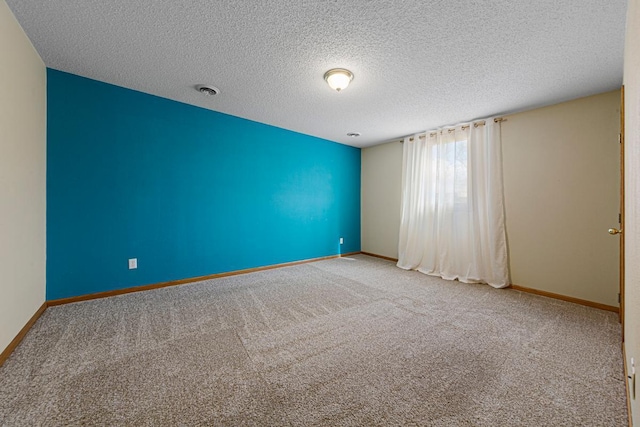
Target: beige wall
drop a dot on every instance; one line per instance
(561, 189)
(381, 189)
(22, 178)
(632, 196)
(561, 182)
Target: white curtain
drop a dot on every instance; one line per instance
(452, 222)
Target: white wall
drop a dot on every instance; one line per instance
(561, 190)
(632, 196)
(381, 189)
(22, 178)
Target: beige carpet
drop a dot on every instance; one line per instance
(343, 342)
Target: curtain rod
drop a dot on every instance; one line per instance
(475, 124)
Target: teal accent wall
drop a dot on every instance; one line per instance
(185, 190)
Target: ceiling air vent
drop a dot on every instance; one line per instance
(208, 90)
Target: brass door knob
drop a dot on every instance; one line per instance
(613, 231)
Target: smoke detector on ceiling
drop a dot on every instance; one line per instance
(208, 90)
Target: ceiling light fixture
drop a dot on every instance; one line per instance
(338, 78)
(208, 90)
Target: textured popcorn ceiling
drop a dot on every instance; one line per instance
(418, 64)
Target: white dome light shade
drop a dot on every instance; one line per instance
(338, 78)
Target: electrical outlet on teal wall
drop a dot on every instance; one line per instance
(188, 191)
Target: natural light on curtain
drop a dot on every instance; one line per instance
(452, 222)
